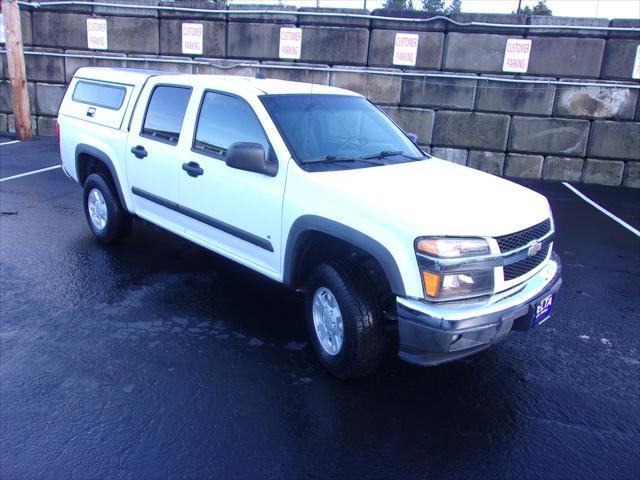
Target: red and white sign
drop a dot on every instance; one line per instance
(192, 38)
(405, 49)
(516, 55)
(97, 33)
(290, 43)
(636, 65)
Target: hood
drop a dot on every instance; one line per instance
(436, 197)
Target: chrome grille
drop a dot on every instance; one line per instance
(523, 237)
(524, 266)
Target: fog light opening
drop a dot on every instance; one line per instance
(457, 337)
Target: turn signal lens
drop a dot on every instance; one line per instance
(450, 286)
(453, 247)
(431, 283)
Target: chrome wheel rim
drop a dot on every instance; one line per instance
(327, 320)
(97, 209)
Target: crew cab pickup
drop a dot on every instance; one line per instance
(316, 188)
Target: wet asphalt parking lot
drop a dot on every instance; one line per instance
(157, 359)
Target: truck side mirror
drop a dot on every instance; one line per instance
(250, 157)
(413, 137)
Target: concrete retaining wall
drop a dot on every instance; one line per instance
(527, 130)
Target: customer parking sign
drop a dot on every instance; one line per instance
(290, 43)
(405, 49)
(516, 55)
(192, 38)
(97, 33)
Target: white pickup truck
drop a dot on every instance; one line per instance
(316, 188)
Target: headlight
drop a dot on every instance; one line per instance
(453, 247)
(447, 286)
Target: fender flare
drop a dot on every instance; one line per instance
(83, 148)
(374, 248)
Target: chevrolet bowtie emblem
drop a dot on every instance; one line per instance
(533, 249)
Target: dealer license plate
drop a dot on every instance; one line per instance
(542, 310)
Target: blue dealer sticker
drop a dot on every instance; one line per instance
(543, 310)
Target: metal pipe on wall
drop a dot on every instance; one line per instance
(36, 5)
(342, 70)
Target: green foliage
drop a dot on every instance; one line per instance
(540, 8)
(433, 5)
(398, 5)
(454, 7)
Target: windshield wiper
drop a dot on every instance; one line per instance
(328, 159)
(392, 153)
(384, 153)
(338, 159)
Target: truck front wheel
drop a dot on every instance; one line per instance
(108, 221)
(344, 321)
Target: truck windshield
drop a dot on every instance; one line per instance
(325, 132)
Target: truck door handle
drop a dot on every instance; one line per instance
(139, 151)
(192, 169)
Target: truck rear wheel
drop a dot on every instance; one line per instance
(108, 221)
(344, 321)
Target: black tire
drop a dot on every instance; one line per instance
(362, 347)
(118, 220)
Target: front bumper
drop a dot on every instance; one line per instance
(432, 333)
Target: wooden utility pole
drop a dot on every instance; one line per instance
(17, 73)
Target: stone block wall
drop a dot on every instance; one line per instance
(531, 129)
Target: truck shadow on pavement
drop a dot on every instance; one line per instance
(176, 289)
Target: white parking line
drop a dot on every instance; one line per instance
(606, 212)
(9, 143)
(29, 173)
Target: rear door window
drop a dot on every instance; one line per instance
(165, 113)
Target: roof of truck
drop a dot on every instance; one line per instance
(230, 83)
(132, 76)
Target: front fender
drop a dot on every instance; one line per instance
(343, 232)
